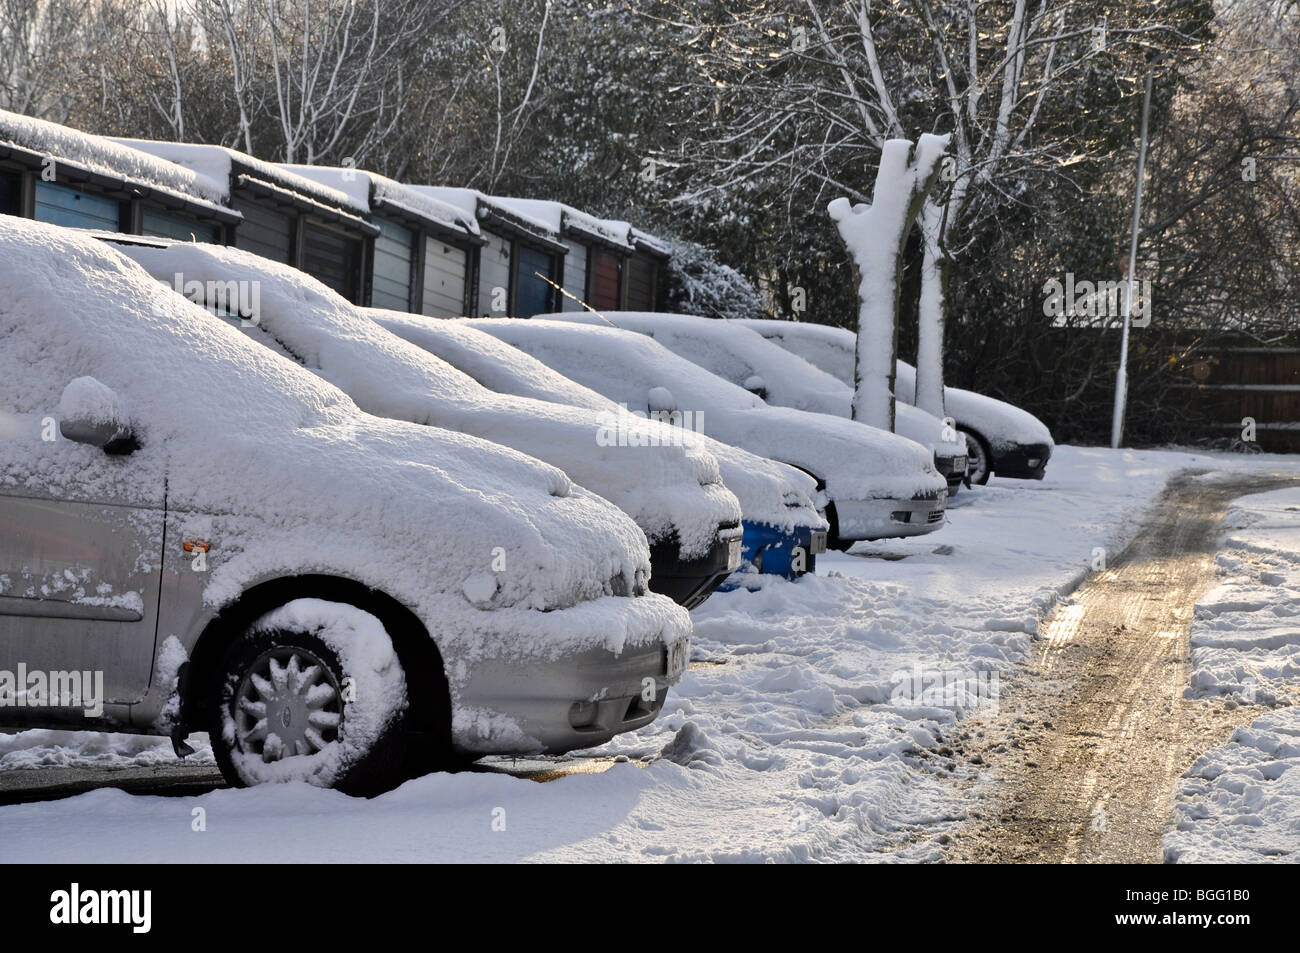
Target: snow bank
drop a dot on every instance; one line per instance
(667, 488)
(769, 492)
(1245, 636)
(1240, 802)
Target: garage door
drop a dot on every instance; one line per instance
(332, 258)
(65, 205)
(444, 280)
(604, 281)
(394, 247)
(165, 225)
(533, 294)
(264, 231)
(641, 278)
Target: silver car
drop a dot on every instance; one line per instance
(198, 534)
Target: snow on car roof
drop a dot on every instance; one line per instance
(632, 368)
(666, 488)
(736, 353)
(108, 157)
(827, 348)
(358, 184)
(832, 349)
(769, 492)
(280, 465)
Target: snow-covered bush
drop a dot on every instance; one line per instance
(699, 284)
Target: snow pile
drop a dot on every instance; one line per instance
(769, 492)
(856, 462)
(1246, 633)
(284, 473)
(667, 483)
(361, 186)
(1240, 803)
(110, 157)
(44, 748)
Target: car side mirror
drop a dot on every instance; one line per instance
(93, 413)
(756, 386)
(661, 400)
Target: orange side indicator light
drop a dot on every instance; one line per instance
(197, 545)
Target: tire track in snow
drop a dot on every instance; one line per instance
(1088, 743)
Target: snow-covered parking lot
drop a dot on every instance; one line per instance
(809, 727)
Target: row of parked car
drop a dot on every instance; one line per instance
(355, 544)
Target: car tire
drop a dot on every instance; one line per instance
(312, 691)
(979, 461)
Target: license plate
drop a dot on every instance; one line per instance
(679, 656)
(733, 554)
(817, 544)
(959, 464)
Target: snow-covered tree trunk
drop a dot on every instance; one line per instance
(935, 267)
(874, 235)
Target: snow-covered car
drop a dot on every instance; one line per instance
(198, 534)
(744, 357)
(872, 484)
(665, 481)
(1000, 438)
(783, 533)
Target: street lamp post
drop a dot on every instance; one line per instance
(1121, 376)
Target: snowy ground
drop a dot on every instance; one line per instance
(1240, 803)
(798, 734)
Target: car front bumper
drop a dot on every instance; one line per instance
(1022, 461)
(780, 552)
(889, 518)
(952, 469)
(688, 582)
(578, 700)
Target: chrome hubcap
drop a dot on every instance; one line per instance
(288, 703)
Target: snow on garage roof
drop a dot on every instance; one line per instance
(373, 191)
(108, 157)
(220, 164)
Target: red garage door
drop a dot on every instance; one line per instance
(605, 273)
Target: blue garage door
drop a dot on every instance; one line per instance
(165, 225)
(534, 294)
(391, 284)
(65, 205)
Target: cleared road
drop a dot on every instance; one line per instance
(1089, 740)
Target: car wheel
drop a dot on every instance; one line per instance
(979, 463)
(312, 691)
